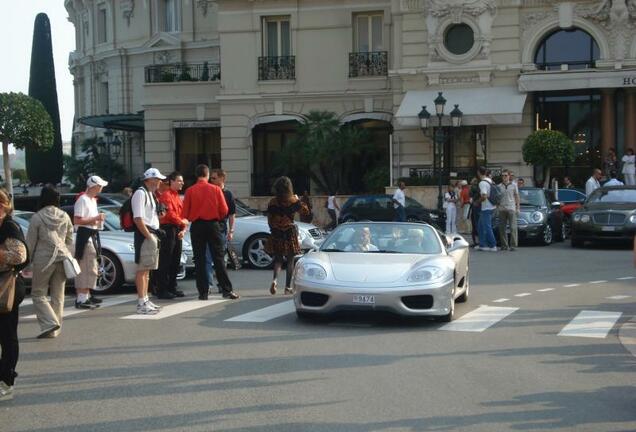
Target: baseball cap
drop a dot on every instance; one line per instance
(96, 181)
(153, 173)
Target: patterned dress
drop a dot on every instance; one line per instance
(280, 216)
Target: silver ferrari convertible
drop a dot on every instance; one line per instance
(405, 268)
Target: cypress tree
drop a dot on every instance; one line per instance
(44, 166)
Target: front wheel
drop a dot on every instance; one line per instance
(567, 227)
(110, 275)
(547, 237)
(254, 250)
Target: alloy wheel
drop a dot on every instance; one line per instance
(256, 254)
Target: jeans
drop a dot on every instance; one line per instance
(334, 219)
(486, 236)
(451, 219)
(400, 214)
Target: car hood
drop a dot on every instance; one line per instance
(610, 206)
(371, 268)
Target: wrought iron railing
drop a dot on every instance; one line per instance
(183, 72)
(276, 68)
(363, 64)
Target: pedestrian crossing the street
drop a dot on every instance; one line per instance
(176, 309)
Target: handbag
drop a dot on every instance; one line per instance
(7, 291)
(234, 262)
(71, 267)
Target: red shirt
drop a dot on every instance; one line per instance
(204, 201)
(174, 208)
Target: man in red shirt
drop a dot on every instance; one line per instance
(174, 225)
(205, 207)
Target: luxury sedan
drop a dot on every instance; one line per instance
(118, 257)
(609, 213)
(404, 268)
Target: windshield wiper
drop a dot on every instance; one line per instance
(331, 250)
(385, 251)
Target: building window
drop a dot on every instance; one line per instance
(170, 21)
(368, 34)
(84, 33)
(459, 39)
(276, 37)
(197, 146)
(102, 34)
(102, 97)
(575, 48)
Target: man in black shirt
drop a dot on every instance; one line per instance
(218, 177)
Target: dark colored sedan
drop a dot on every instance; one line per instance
(540, 218)
(609, 213)
(380, 208)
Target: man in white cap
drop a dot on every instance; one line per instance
(146, 217)
(88, 221)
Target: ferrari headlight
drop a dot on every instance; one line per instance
(632, 219)
(311, 271)
(536, 217)
(427, 274)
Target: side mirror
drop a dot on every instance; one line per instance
(458, 243)
(556, 204)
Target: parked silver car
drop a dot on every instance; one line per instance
(118, 257)
(405, 268)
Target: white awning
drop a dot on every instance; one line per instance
(481, 106)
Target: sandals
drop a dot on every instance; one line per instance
(288, 291)
(272, 288)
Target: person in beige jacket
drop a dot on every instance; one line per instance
(50, 241)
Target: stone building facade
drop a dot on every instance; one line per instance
(227, 82)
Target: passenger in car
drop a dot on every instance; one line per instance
(362, 242)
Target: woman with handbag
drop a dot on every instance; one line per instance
(50, 241)
(13, 257)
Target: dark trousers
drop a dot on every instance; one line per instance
(334, 219)
(169, 260)
(208, 234)
(9, 338)
(474, 221)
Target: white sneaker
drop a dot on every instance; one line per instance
(6, 391)
(146, 309)
(152, 305)
(492, 249)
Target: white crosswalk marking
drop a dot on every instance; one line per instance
(501, 300)
(598, 282)
(626, 278)
(175, 309)
(545, 290)
(591, 324)
(618, 297)
(480, 319)
(267, 313)
(571, 285)
(522, 295)
(108, 301)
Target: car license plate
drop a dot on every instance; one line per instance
(608, 228)
(364, 299)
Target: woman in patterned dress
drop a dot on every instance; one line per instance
(283, 241)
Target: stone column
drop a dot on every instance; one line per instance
(630, 119)
(608, 122)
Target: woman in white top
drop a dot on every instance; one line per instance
(629, 169)
(450, 204)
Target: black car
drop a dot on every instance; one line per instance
(30, 202)
(609, 213)
(540, 218)
(380, 208)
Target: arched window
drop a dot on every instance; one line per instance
(575, 48)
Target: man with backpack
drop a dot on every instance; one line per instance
(490, 198)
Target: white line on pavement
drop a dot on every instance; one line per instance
(598, 282)
(591, 324)
(480, 319)
(522, 294)
(175, 309)
(618, 297)
(545, 290)
(108, 301)
(626, 278)
(571, 285)
(501, 300)
(267, 313)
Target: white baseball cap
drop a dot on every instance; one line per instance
(96, 181)
(153, 173)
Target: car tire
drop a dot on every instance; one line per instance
(254, 252)
(463, 297)
(576, 243)
(110, 273)
(547, 236)
(567, 228)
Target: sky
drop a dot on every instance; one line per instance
(16, 36)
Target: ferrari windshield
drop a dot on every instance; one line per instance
(383, 238)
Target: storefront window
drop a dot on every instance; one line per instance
(197, 146)
(575, 48)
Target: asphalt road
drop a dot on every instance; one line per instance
(530, 370)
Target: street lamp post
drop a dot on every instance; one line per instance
(438, 137)
(111, 147)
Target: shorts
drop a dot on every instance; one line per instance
(149, 254)
(88, 276)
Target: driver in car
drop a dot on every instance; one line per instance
(362, 242)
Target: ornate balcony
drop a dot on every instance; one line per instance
(365, 64)
(183, 72)
(276, 68)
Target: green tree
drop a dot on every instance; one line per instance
(548, 148)
(24, 123)
(44, 165)
(89, 161)
(323, 149)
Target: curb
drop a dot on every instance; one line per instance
(627, 336)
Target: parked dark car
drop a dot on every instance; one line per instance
(540, 219)
(380, 208)
(30, 202)
(609, 213)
